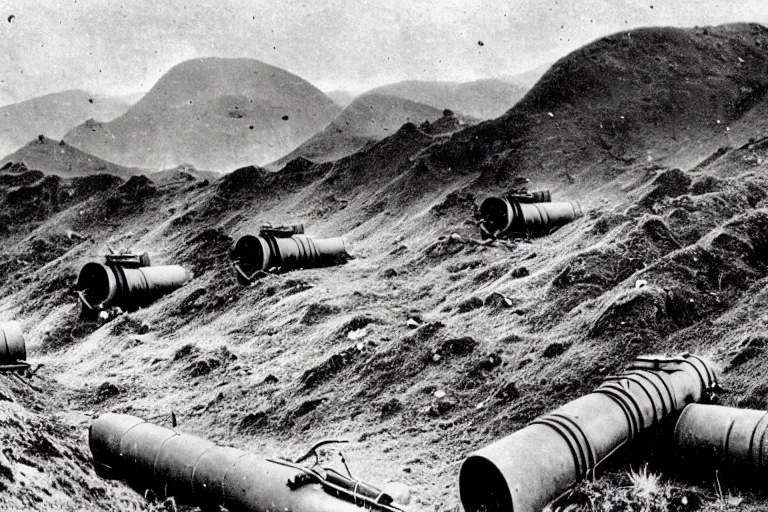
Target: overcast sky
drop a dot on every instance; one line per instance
(114, 47)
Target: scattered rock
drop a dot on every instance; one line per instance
(440, 407)
(317, 312)
(269, 379)
(308, 406)
(457, 346)
(388, 273)
(507, 392)
(520, 272)
(469, 305)
(390, 408)
(106, 390)
(554, 349)
(185, 351)
(357, 334)
(253, 421)
(497, 301)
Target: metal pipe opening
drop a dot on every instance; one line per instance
(105, 286)
(97, 282)
(482, 487)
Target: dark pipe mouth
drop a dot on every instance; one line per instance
(248, 254)
(494, 212)
(483, 487)
(94, 282)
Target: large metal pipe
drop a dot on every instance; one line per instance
(727, 438)
(503, 217)
(253, 253)
(12, 346)
(198, 472)
(104, 286)
(528, 469)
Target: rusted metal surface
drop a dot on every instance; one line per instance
(528, 469)
(510, 218)
(103, 286)
(725, 438)
(251, 254)
(200, 473)
(12, 346)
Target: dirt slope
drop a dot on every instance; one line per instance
(53, 115)
(216, 114)
(506, 331)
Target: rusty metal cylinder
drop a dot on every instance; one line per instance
(504, 217)
(253, 253)
(12, 346)
(198, 472)
(528, 469)
(734, 440)
(105, 286)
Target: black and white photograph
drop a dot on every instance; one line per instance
(383, 256)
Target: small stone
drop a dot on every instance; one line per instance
(520, 272)
(470, 304)
(144, 328)
(439, 393)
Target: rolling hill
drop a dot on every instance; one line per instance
(483, 99)
(214, 113)
(60, 159)
(369, 118)
(53, 115)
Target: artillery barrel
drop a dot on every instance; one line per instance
(535, 465)
(105, 286)
(197, 471)
(510, 217)
(253, 253)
